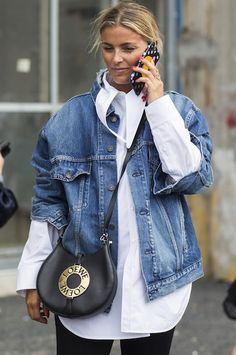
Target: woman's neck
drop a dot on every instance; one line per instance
(127, 87)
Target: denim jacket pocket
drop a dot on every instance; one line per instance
(75, 177)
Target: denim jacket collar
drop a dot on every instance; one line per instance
(97, 85)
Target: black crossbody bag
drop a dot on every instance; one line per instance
(83, 285)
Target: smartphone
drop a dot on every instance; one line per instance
(150, 53)
(5, 148)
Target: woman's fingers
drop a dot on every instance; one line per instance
(35, 309)
(148, 70)
(154, 88)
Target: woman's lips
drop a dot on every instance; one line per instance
(120, 70)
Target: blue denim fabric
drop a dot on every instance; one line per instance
(75, 159)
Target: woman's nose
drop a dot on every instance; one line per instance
(117, 58)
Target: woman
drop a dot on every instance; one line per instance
(154, 244)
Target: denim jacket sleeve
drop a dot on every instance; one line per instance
(49, 202)
(197, 125)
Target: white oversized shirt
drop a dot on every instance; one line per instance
(131, 314)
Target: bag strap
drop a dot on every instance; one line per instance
(112, 202)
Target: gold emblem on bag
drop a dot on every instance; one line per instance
(78, 290)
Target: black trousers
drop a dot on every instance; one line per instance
(70, 344)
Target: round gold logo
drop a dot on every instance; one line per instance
(82, 286)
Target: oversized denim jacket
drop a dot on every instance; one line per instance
(75, 159)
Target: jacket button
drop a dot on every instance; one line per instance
(110, 148)
(113, 119)
(111, 188)
(68, 174)
(137, 173)
(143, 211)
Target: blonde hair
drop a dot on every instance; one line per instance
(134, 16)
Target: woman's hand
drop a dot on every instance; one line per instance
(153, 88)
(1, 164)
(36, 311)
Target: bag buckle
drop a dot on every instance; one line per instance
(105, 238)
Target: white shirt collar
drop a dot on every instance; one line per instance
(132, 109)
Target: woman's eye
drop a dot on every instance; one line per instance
(107, 49)
(128, 49)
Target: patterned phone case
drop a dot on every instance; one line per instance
(151, 52)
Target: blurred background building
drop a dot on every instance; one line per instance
(44, 61)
